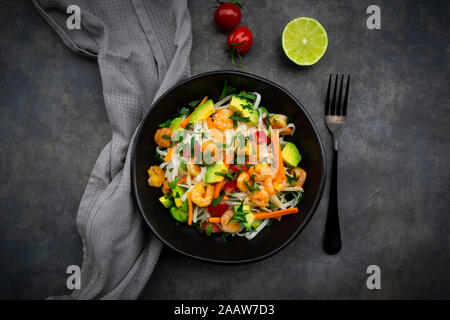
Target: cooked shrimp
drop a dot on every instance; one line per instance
(222, 119)
(260, 172)
(155, 176)
(193, 169)
(244, 178)
(217, 135)
(278, 121)
(301, 176)
(210, 154)
(269, 185)
(279, 185)
(227, 225)
(161, 137)
(259, 198)
(286, 131)
(201, 196)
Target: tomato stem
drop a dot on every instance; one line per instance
(240, 65)
(235, 2)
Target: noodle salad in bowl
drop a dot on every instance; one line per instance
(227, 167)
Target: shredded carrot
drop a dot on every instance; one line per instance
(280, 174)
(182, 180)
(214, 219)
(217, 189)
(276, 148)
(203, 101)
(169, 155)
(185, 122)
(210, 123)
(190, 208)
(274, 214)
(225, 198)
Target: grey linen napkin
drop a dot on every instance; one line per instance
(142, 48)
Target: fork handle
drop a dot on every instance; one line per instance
(332, 240)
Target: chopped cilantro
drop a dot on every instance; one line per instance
(225, 175)
(224, 236)
(158, 157)
(216, 201)
(208, 229)
(227, 90)
(173, 184)
(194, 103)
(165, 123)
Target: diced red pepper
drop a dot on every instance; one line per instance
(218, 210)
(229, 186)
(261, 137)
(214, 227)
(236, 168)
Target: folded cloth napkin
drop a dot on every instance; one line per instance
(142, 48)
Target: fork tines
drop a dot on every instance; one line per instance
(337, 109)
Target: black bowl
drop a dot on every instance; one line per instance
(189, 241)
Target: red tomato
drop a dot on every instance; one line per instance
(236, 168)
(214, 227)
(218, 210)
(229, 186)
(227, 16)
(240, 39)
(261, 137)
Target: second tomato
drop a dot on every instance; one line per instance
(240, 40)
(227, 16)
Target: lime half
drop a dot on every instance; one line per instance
(304, 41)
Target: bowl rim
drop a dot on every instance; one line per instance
(134, 173)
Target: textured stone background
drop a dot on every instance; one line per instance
(394, 164)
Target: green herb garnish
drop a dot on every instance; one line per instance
(239, 118)
(209, 229)
(246, 95)
(165, 123)
(293, 179)
(216, 201)
(227, 90)
(158, 157)
(194, 103)
(184, 111)
(228, 176)
(174, 183)
(224, 236)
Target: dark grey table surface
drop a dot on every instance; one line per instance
(394, 161)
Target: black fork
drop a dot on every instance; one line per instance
(335, 112)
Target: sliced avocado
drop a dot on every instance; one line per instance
(256, 223)
(176, 123)
(179, 214)
(177, 192)
(237, 103)
(185, 206)
(166, 201)
(201, 113)
(290, 155)
(244, 209)
(218, 167)
(250, 218)
(252, 115)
